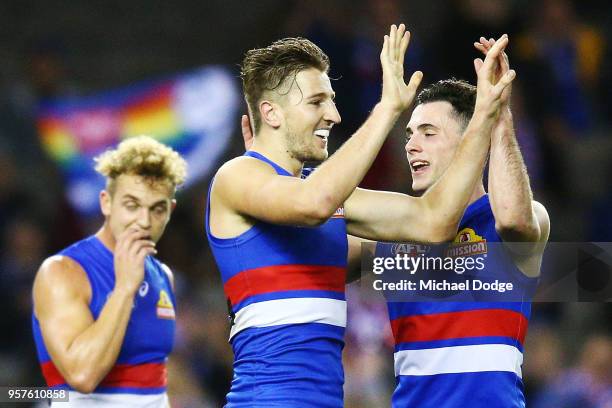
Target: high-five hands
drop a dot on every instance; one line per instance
(503, 65)
(493, 83)
(396, 95)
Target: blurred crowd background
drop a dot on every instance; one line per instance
(562, 103)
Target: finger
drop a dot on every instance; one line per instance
(137, 237)
(126, 238)
(505, 62)
(142, 253)
(415, 81)
(504, 82)
(493, 53)
(398, 39)
(247, 132)
(384, 53)
(404, 46)
(139, 245)
(477, 64)
(392, 48)
(480, 48)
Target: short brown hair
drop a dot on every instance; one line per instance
(265, 69)
(142, 156)
(459, 93)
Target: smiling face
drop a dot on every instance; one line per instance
(433, 134)
(308, 113)
(138, 202)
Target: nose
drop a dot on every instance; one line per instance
(413, 146)
(331, 113)
(144, 218)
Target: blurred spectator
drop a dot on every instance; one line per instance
(586, 385)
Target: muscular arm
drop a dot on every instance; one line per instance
(518, 219)
(510, 194)
(83, 350)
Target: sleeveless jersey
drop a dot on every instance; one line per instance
(285, 292)
(139, 374)
(467, 354)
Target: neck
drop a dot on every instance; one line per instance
(105, 236)
(267, 144)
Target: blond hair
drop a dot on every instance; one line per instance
(142, 156)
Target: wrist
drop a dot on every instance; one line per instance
(124, 291)
(387, 108)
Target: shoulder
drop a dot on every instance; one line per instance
(60, 268)
(238, 174)
(238, 165)
(60, 276)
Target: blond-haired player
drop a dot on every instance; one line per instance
(103, 316)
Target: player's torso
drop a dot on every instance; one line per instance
(285, 292)
(465, 350)
(149, 337)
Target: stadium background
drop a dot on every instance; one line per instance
(562, 108)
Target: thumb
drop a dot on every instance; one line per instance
(505, 80)
(478, 64)
(415, 81)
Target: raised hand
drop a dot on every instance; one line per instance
(133, 246)
(491, 81)
(503, 66)
(396, 94)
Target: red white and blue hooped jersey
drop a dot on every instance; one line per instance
(285, 291)
(465, 354)
(139, 374)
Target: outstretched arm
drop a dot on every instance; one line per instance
(434, 217)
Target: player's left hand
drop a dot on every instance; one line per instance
(247, 132)
(503, 66)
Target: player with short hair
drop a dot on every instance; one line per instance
(451, 354)
(104, 308)
(280, 240)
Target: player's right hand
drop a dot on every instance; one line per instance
(132, 247)
(490, 88)
(396, 95)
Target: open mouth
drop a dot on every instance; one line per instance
(418, 166)
(322, 133)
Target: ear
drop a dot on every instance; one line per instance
(172, 205)
(270, 114)
(105, 203)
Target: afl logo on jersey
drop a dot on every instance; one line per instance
(144, 289)
(165, 309)
(409, 249)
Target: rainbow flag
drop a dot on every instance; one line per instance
(195, 113)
